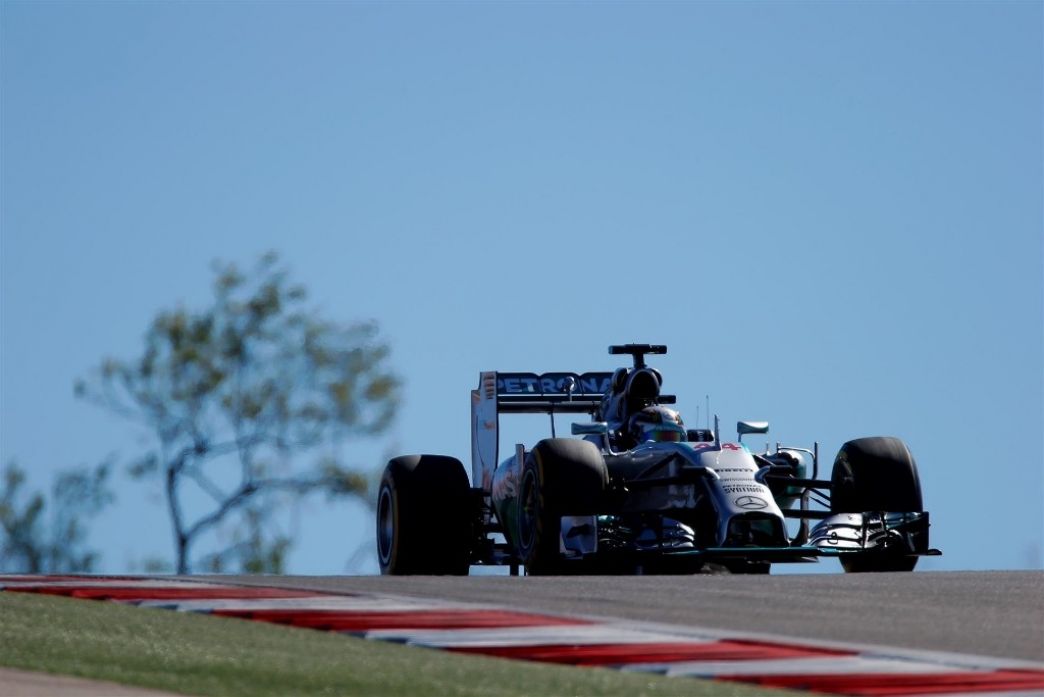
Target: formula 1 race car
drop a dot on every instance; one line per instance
(640, 493)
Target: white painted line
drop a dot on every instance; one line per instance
(565, 635)
(313, 604)
(141, 583)
(827, 665)
(1022, 693)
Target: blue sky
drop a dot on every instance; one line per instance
(830, 212)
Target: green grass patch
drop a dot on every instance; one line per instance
(203, 655)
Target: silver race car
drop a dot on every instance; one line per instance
(635, 491)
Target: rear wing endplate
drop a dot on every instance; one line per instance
(525, 393)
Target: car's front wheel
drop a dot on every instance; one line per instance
(560, 476)
(876, 474)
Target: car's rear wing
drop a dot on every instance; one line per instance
(550, 393)
(525, 393)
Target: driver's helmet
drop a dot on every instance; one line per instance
(658, 424)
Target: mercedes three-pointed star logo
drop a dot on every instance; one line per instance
(751, 502)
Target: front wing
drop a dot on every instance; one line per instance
(837, 535)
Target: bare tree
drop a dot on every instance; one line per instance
(247, 402)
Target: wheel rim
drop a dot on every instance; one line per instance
(385, 526)
(527, 510)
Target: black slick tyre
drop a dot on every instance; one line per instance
(424, 516)
(875, 474)
(560, 476)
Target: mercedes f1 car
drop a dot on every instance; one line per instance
(640, 493)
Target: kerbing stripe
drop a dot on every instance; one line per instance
(669, 652)
(872, 685)
(366, 621)
(10, 579)
(132, 594)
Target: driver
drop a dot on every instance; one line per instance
(658, 424)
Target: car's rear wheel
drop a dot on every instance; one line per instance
(876, 474)
(424, 516)
(560, 476)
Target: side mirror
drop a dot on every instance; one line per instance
(744, 428)
(595, 428)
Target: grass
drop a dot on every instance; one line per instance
(203, 655)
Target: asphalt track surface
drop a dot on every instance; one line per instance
(998, 614)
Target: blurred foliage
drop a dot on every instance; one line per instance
(251, 551)
(48, 536)
(258, 380)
